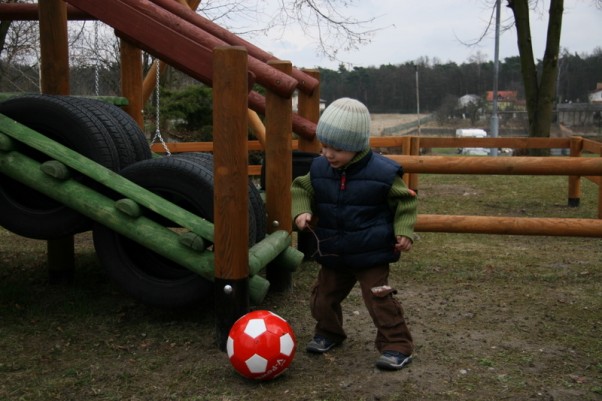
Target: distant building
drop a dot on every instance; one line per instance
(468, 99)
(596, 95)
(506, 100)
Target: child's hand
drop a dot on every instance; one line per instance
(403, 244)
(302, 221)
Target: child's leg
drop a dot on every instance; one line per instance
(331, 288)
(386, 312)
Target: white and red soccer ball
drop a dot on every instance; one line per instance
(261, 345)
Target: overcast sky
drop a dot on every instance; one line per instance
(435, 29)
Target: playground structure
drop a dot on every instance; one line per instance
(155, 26)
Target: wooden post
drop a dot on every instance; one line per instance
(309, 108)
(414, 151)
(600, 192)
(231, 218)
(405, 150)
(54, 79)
(575, 180)
(131, 80)
(279, 170)
(54, 50)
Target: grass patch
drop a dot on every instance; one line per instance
(493, 317)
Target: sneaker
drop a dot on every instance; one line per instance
(393, 360)
(320, 345)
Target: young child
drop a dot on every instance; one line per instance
(363, 216)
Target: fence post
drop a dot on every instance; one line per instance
(279, 170)
(231, 220)
(600, 192)
(575, 180)
(414, 151)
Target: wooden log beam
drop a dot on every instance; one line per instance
(150, 35)
(29, 12)
(279, 166)
(131, 80)
(231, 199)
(509, 225)
(306, 82)
(100, 208)
(54, 79)
(301, 126)
(281, 83)
(309, 108)
(500, 165)
(515, 142)
(107, 177)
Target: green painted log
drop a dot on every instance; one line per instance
(258, 289)
(102, 209)
(289, 259)
(116, 100)
(267, 250)
(106, 177)
(193, 241)
(6, 143)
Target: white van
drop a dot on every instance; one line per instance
(472, 133)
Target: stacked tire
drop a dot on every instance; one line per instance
(107, 135)
(89, 127)
(187, 181)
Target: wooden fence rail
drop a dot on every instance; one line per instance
(407, 153)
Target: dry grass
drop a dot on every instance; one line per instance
(494, 318)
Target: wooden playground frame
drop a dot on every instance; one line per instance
(231, 66)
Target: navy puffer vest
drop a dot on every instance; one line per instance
(355, 224)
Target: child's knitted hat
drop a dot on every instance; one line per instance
(345, 125)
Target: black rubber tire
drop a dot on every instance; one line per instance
(256, 203)
(25, 211)
(117, 132)
(129, 129)
(141, 272)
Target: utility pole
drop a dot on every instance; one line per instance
(417, 99)
(496, 68)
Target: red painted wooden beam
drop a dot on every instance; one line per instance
(173, 40)
(307, 83)
(277, 81)
(29, 12)
(152, 36)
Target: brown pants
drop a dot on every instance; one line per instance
(333, 286)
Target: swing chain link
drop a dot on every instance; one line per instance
(96, 61)
(157, 110)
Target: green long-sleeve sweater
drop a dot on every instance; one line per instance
(401, 199)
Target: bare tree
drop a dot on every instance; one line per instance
(18, 47)
(326, 22)
(539, 85)
(540, 91)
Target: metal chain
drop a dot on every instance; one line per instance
(97, 61)
(157, 111)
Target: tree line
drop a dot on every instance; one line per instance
(392, 88)
(385, 89)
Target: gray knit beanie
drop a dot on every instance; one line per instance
(345, 125)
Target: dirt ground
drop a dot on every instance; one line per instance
(485, 325)
(493, 318)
